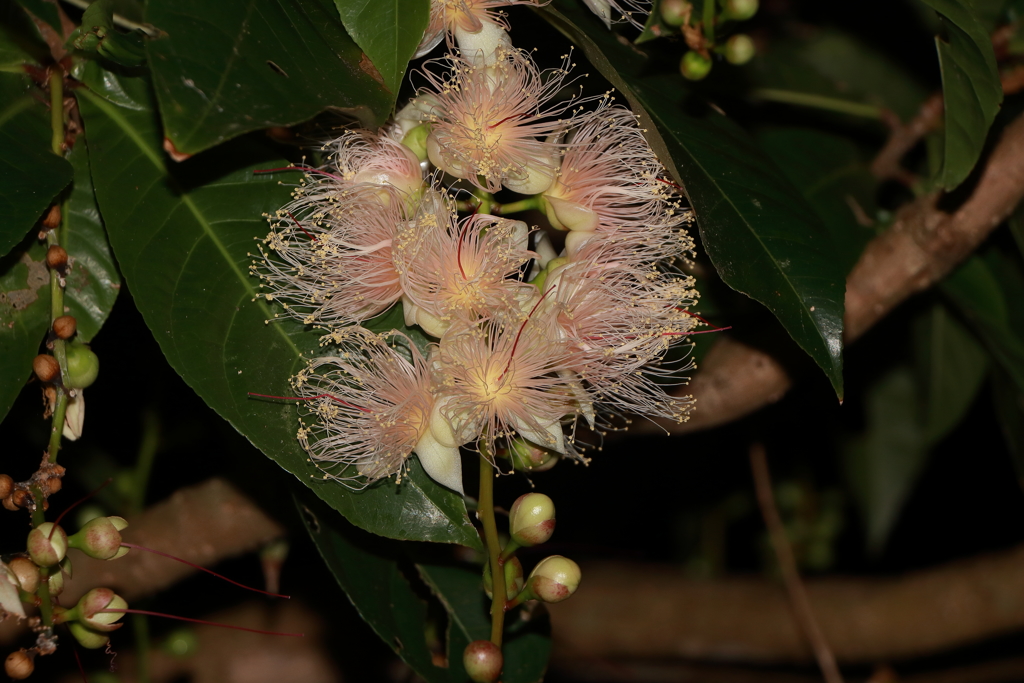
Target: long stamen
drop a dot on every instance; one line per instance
(309, 398)
(208, 571)
(198, 621)
(311, 238)
(522, 327)
(304, 169)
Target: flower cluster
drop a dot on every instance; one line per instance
(508, 342)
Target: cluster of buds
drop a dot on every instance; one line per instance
(696, 62)
(555, 578)
(47, 480)
(521, 341)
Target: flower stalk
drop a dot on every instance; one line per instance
(486, 513)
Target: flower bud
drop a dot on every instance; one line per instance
(100, 538)
(675, 12)
(416, 140)
(26, 572)
(87, 638)
(19, 665)
(55, 582)
(528, 457)
(52, 218)
(554, 579)
(46, 367)
(6, 485)
(514, 580)
(483, 661)
(739, 49)
(694, 66)
(65, 326)
(740, 10)
(44, 549)
(90, 610)
(532, 519)
(9, 503)
(83, 366)
(56, 257)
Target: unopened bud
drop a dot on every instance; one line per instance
(416, 140)
(528, 457)
(6, 485)
(90, 610)
(483, 661)
(694, 66)
(46, 367)
(65, 326)
(554, 579)
(45, 549)
(100, 538)
(52, 219)
(740, 10)
(532, 519)
(83, 366)
(675, 12)
(56, 257)
(20, 498)
(9, 503)
(739, 49)
(55, 582)
(514, 580)
(19, 665)
(86, 637)
(26, 572)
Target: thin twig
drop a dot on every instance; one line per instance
(787, 564)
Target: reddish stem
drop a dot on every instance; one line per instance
(208, 571)
(197, 621)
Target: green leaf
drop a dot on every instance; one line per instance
(20, 42)
(368, 571)
(1009, 404)
(97, 34)
(833, 178)
(234, 66)
(990, 303)
(388, 31)
(971, 89)
(93, 282)
(883, 464)
(760, 233)
(31, 175)
(24, 315)
(952, 367)
(527, 643)
(183, 248)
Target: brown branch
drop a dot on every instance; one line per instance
(787, 565)
(903, 138)
(923, 245)
(660, 613)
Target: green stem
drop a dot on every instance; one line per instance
(485, 201)
(57, 110)
(60, 353)
(522, 205)
(144, 462)
(486, 512)
(140, 622)
(709, 20)
(803, 99)
(43, 592)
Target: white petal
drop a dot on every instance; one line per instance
(551, 437)
(479, 48)
(601, 8)
(441, 463)
(74, 418)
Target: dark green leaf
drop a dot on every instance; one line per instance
(833, 178)
(760, 233)
(24, 315)
(952, 366)
(970, 88)
(230, 67)
(388, 31)
(97, 34)
(31, 175)
(991, 305)
(527, 643)
(47, 12)
(1009, 404)
(93, 282)
(368, 571)
(20, 42)
(883, 464)
(184, 252)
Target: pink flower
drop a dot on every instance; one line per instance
(467, 16)
(360, 156)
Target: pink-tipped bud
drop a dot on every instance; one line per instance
(527, 457)
(532, 519)
(91, 610)
(554, 579)
(47, 549)
(100, 538)
(483, 661)
(86, 637)
(514, 580)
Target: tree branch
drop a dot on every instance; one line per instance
(923, 245)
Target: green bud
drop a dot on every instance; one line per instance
(694, 66)
(554, 579)
(740, 10)
(89, 610)
(55, 582)
(514, 580)
(532, 519)
(83, 366)
(100, 538)
(528, 457)
(675, 12)
(483, 661)
(86, 637)
(44, 549)
(739, 49)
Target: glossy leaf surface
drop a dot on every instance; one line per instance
(24, 315)
(388, 31)
(235, 66)
(971, 89)
(30, 174)
(184, 253)
(760, 233)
